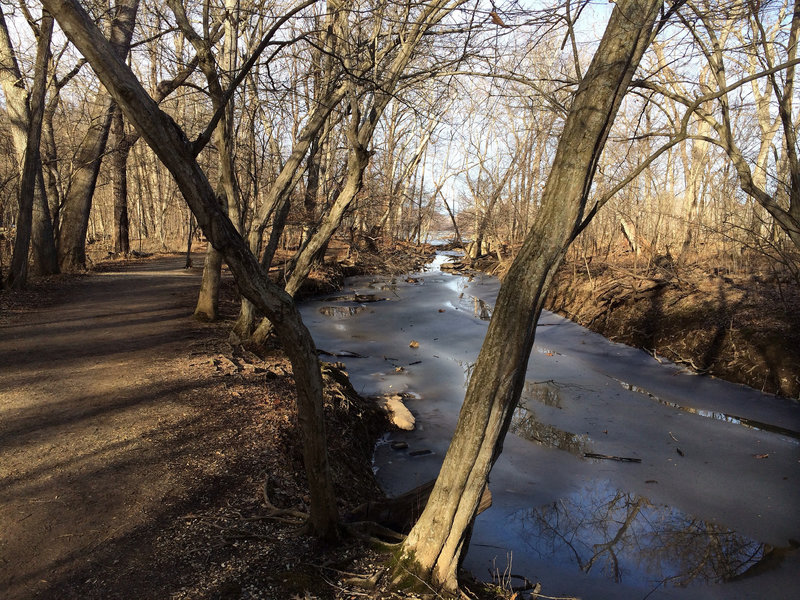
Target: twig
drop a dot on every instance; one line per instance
(609, 457)
(654, 355)
(370, 530)
(349, 591)
(423, 582)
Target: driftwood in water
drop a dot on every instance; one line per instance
(400, 513)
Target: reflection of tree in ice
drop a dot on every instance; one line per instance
(626, 537)
(526, 425)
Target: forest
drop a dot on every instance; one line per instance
(630, 165)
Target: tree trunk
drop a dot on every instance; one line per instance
(50, 168)
(207, 308)
(44, 260)
(35, 220)
(189, 237)
(435, 544)
(177, 154)
(78, 201)
(119, 167)
(208, 298)
(31, 164)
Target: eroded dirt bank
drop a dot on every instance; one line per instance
(740, 326)
(743, 328)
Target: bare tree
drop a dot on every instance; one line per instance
(767, 59)
(434, 546)
(367, 98)
(78, 201)
(25, 114)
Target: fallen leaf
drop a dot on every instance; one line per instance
(760, 455)
(414, 344)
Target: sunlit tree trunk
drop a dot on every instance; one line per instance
(434, 546)
(74, 218)
(37, 226)
(208, 298)
(31, 187)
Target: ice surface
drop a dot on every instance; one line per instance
(713, 470)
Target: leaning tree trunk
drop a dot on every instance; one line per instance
(314, 249)
(78, 201)
(433, 547)
(170, 144)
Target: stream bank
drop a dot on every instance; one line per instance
(742, 325)
(621, 473)
(136, 445)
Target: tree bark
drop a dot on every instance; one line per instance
(37, 227)
(169, 142)
(31, 164)
(50, 167)
(433, 547)
(78, 201)
(119, 166)
(207, 307)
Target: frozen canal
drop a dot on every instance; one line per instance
(706, 504)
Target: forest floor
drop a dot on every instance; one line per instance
(137, 447)
(740, 324)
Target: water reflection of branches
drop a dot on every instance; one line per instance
(525, 424)
(467, 366)
(624, 536)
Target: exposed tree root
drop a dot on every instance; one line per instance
(287, 515)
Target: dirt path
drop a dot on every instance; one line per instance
(94, 423)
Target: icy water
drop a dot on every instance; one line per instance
(701, 495)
